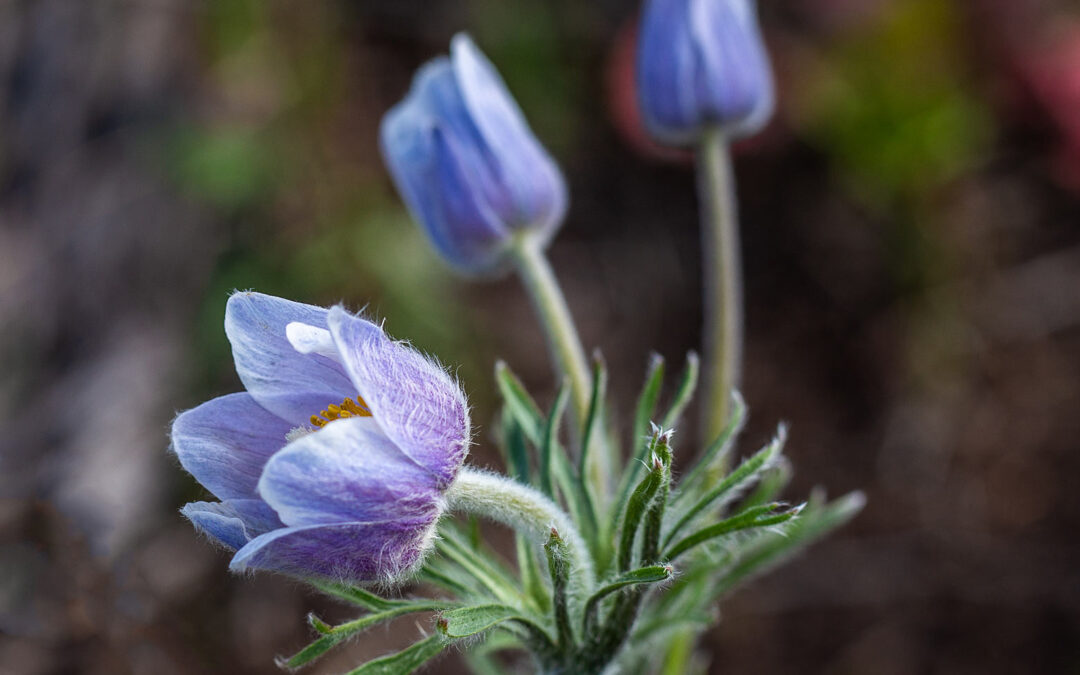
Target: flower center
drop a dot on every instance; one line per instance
(348, 408)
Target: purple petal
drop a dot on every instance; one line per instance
(354, 552)
(348, 471)
(289, 384)
(448, 186)
(417, 404)
(225, 443)
(232, 523)
(666, 72)
(523, 166)
(734, 80)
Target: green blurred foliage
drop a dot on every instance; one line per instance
(310, 213)
(892, 105)
(893, 109)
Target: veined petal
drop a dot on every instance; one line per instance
(232, 523)
(225, 443)
(666, 72)
(416, 403)
(354, 552)
(523, 167)
(292, 385)
(733, 78)
(448, 186)
(348, 471)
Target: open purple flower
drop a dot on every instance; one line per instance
(334, 462)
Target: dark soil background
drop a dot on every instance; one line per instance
(912, 251)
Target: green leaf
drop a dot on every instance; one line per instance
(357, 596)
(684, 393)
(445, 574)
(646, 405)
(756, 516)
(774, 548)
(559, 566)
(520, 404)
(407, 660)
(639, 439)
(469, 621)
(717, 452)
(339, 634)
(588, 470)
(594, 420)
(773, 482)
(529, 571)
(734, 483)
(494, 578)
(643, 575)
(318, 624)
(549, 444)
(517, 451)
(639, 501)
(654, 519)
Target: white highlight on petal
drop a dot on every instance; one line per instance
(308, 339)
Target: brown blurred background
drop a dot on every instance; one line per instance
(912, 256)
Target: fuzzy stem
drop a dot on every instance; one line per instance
(522, 508)
(723, 279)
(562, 336)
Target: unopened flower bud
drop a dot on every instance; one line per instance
(702, 63)
(466, 163)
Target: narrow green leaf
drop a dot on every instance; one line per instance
(589, 473)
(734, 483)
(638, 503)
(643, 575)
(440, 572)
(549, 445)
(646, 404)
(407, 660)
(520, 404)
(484, 568)
(684, 393)
(639, 440)
(772, 483)
(594, 420)
(468, 621)
(529, 571)
(773, 548)
(357, 596)
(339, 634)
(719, 449)
(559, 566)
(756, 516)
(318, 624)
(516, 447)
(654, 519)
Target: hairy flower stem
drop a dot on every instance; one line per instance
(566, 352)
(562, 336)
(522, 508)
(723, 280)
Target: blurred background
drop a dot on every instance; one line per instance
(911, 231)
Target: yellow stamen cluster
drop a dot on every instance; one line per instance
(348, 408)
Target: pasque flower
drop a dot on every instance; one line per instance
(467, 164)
(334, 462)
(702, 63)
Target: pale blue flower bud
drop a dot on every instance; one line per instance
(467, 164)
(702, 63)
